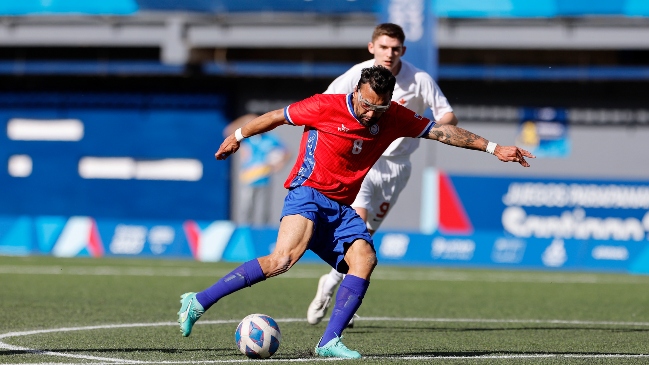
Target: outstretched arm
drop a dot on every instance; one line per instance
(261, 124)
(456, 136)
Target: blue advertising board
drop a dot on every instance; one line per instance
(485, 222)
(418, 22)
(540, 223)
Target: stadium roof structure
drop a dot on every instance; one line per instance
(179, 27)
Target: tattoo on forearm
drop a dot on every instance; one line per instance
(455, 136)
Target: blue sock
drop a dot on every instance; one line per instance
(248, 274)
(349, 298)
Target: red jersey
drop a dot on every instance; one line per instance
(336, 150)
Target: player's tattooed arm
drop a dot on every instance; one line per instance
(456, 136)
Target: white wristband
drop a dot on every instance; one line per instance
(491, 147)
(238, 135)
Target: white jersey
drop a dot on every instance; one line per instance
(415, 89)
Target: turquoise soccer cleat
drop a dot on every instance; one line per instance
(190, 311)
(335, 348)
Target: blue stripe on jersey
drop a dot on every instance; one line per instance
(308, 164)
(287, 116)
(426, 130)
(350, 106)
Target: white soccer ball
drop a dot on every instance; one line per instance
(258, 336)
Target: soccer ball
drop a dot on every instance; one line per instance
(258, 336)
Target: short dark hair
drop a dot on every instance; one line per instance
(391, 30)
(381, 79)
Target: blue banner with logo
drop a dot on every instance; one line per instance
(489, 222)
(418, 22)
(539, 223)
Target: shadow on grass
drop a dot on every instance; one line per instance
(226, 354)
(306, 354)
(119, 351)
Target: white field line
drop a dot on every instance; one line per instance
(108, 361)
(384, 273)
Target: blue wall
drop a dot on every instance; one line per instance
(142, 127)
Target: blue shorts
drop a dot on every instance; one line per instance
(336, 225)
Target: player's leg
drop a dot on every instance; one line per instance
(392, 177)
(388, 179)
(371, 191)
(328, 283)
(380, 192)
(292, 241)
(361, 259)
(333, 279)
(295, 232)
(322, 300)
(358, 260)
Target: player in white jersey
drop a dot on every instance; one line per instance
(417, 91)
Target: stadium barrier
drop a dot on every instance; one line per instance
(71, 163)
(223, 241)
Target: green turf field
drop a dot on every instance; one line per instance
(109, 311)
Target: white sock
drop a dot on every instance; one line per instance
(333, 279)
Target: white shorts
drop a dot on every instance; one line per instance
(381, 188)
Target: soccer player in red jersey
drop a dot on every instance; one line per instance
(383, 184)
(344, 135)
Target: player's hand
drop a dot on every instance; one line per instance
(513, 154)
(228, 147)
